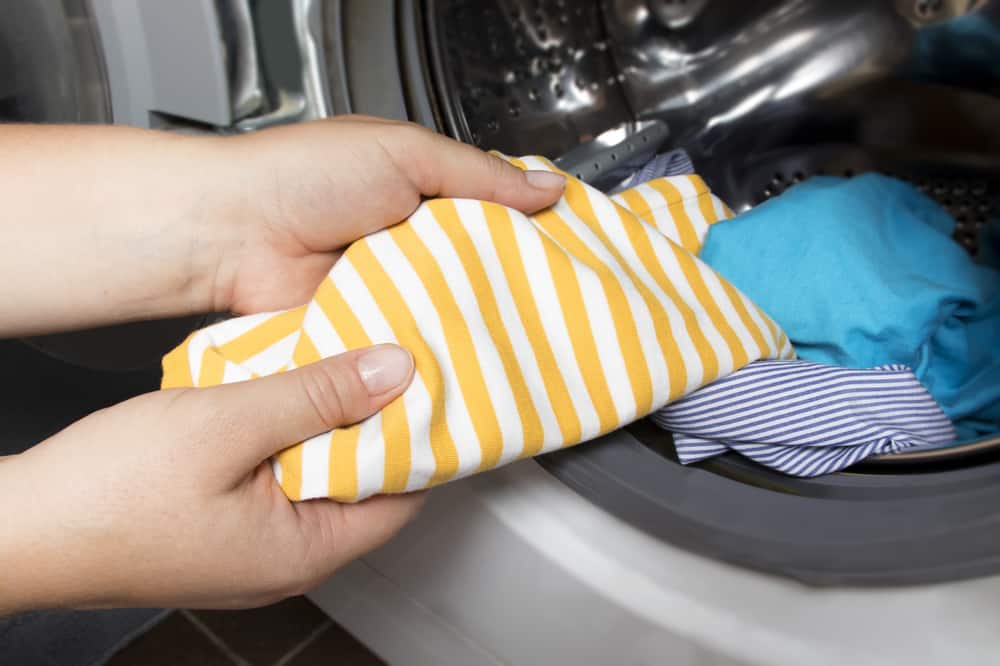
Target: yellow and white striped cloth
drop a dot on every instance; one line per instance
(529, 333)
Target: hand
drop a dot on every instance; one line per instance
(309, 190)
(150, 224)
(167, 500)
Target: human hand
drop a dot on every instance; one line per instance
(150, 224)
(308, 190)
(168, 499)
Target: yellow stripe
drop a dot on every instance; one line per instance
(693, 275)
(771, 327)
(708, 210)
(744, 315)
(404, 327)
(505, 242)
(213, 367)
(697, 183)
(581, 334)
(644, 248)
(531, 425)
(291, 471)
(577, 322)
(395, 424)
(675, 204)
(305, 351)
(177, 366)
(458, 339)
(628, 335)
(263, 335)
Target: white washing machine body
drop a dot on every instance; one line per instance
(513, 567)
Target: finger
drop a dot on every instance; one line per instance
(275, 412)
(341, 533)
(439, 166)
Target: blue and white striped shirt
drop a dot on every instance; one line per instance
(806, 419)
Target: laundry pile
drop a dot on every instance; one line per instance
(531, 333)
(859, 272)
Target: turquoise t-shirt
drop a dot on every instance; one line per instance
(863, 272)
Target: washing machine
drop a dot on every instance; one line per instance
(609, 552)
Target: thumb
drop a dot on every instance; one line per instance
(283, 409)
(439, 166)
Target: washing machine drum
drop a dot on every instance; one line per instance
(762, 94)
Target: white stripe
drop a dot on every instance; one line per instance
(757, 317)
(321, 332)
(676, 276)
(475, 222)
(720, 210)
(714, 285)
(316, 466)
(273, 357)
(416, 399)
(659, 210)
(230, 329)
(529, 242)
(691, 199)
(196, 351)
(653, 354)
(233, 372)
(428, 321)
(371, 456)
(689, 357)
(609, 348)
(498, 386)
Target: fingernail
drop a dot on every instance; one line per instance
(384, 368)
(545, 180)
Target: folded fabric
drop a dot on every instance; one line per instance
(864, 272)
(528, 333)
(806, 419)
(676, 162)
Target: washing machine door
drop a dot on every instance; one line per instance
(761, 94)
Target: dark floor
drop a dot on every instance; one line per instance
(291, 633)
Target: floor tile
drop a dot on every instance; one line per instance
(334, 646)
(173, 642)
(264, 635)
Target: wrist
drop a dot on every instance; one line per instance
(212, 229)
(224, 225)
(20, 541)
(47, 557)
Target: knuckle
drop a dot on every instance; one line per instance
(330, 393)
(500, 175)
